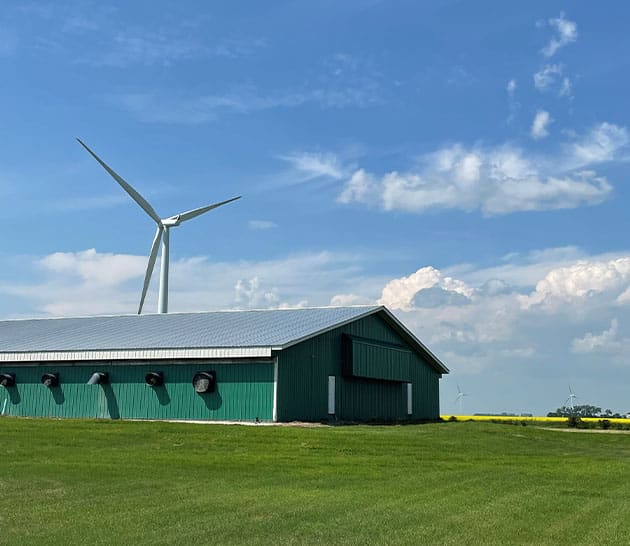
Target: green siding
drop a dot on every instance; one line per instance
(303, 372)
(244, 392)
(378, 361)
(364, 399)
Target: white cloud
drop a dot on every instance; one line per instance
(88, 282)
(495, 180)
(314, 165)
(260, 225)
(540, 125)
(249, 293)
(565, 33)
(547, 76)
(362, 187)
(94, 268)
(581, 281)
(606, 341)
(604, 142)
(343, 300)
(400, 293)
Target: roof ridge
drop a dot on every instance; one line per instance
(277, 309)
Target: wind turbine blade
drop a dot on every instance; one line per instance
(147, 276)
(125, 186)
(188, 215)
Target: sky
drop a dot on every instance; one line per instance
(462, 163)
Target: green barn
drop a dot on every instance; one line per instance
(319, 364)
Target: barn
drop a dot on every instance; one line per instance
(315, 364)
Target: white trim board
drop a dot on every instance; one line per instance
(137, 354)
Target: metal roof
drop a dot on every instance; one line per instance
(180, 335)
(268, 328)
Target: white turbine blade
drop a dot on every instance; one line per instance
(188, 215)
(150, 265)
(125, 186)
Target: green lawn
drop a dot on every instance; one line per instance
(103, 482)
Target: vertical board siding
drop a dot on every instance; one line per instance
(303, 372)
(380, 362)
(244, 392)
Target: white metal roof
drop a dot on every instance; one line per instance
(219, 334)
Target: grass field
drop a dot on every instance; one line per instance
(104, 482)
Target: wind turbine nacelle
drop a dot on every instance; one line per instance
(171, 222)
(7, 379)
(50, 380)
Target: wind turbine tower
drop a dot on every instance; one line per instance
(161, 234)
(572, 397)
(460, 399)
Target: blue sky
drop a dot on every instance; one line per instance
(462, 163)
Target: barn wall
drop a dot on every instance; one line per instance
(244, 392)
(303, 372)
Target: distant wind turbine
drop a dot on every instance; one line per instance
(572, 397)
(161, 234)
(460, 399)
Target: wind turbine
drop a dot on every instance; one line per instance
(460, 399)
(572, 397)
(161, 234)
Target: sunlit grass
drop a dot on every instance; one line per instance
(104, 482)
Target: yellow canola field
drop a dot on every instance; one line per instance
(541, 420)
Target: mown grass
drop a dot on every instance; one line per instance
(102, 482)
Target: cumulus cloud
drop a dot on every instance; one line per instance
(495, 180)
(540, 125)
(94, 268)
(403, 292)
(565, 33)
(89, 282)
(582, 281)
(249, 293)
(606, 341)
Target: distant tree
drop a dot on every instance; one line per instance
(577, 411)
